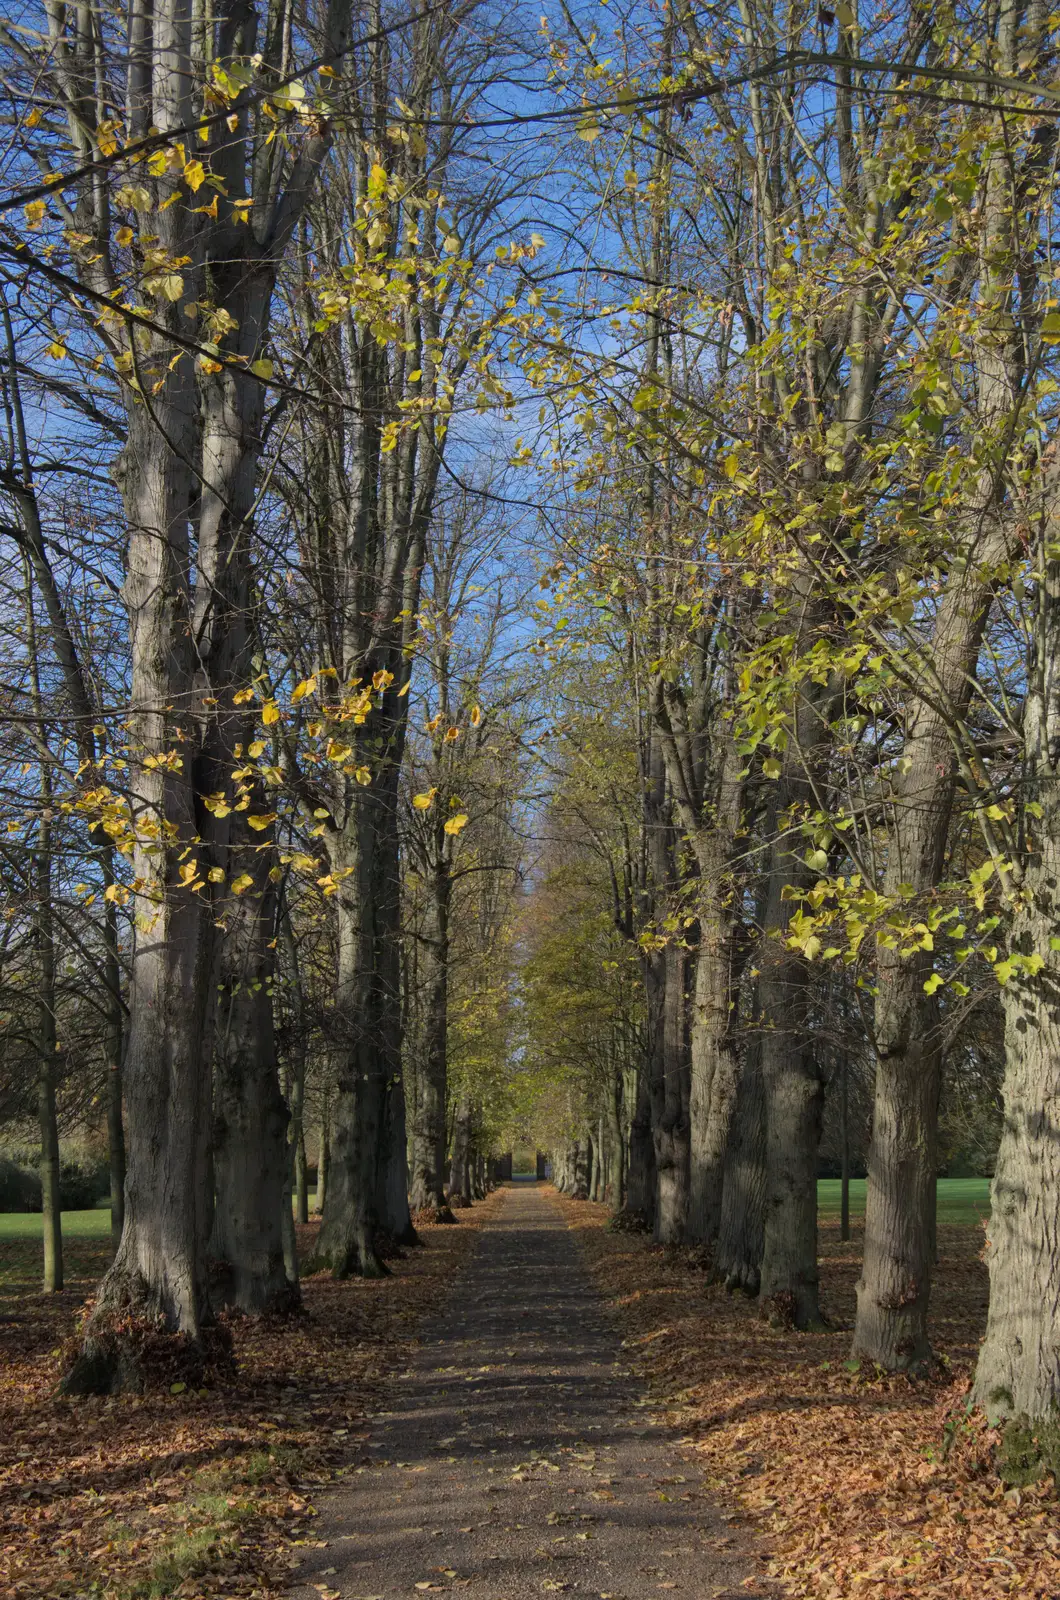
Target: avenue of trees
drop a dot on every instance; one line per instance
(532, 610)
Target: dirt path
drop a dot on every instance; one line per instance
(518, 1459)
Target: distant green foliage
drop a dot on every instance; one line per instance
(19, 1189)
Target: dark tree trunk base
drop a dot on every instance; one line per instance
(255, 1300)
(782, 1310)
(626, 1221)
(458, 1203)
(128, 1355)
(745, 1279)
(432, 1216)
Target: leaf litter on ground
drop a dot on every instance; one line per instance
(193, 1493)
(864, 1486)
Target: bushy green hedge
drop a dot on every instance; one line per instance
(19, 1189)
(80, 1187)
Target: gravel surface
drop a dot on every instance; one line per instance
(519, 1458)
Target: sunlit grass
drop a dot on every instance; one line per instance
(962, 1202)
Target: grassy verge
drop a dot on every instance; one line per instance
(962, 1202)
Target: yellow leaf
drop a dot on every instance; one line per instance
(382, 680)
(262, 369)
(242, 697)
(771, 768)
(257, 748)
(363, 775)
(455, 824)
(307, 686)
(270, 713)
(135, 198)
(34, 213)
(262, 821)
(423, 802)
(194, 176)
(451, 734)
(34, 119)
(476, 716)
(57, 351)
(241, 883)
(124, 236)
(216, 874)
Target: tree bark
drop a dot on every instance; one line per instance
(323, 1153)
(715, 1070)
(794, 1091)
(738, 1258)
(639, 1200)
(670, 1089)
(1018, 1372)
(249, 1146)
(428, 1141)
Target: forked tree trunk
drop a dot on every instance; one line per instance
(738, 1257)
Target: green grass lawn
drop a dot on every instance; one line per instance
(76, 1224)
(961, 1201)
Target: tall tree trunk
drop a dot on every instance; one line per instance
(844, 1156)
(738, 1257)
(894, 1287)
(794, 1092)
(249, 1146)
(639, 1199)
(115, 1031)
(428, 1140)
(159, 1271)
(393, 1177)
(301, 1175)
(670, 1090)
(323, 1151)
(459, 1171)
(347, 1241)
(715, 1070)
(1018, 1372)
(44, 938)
